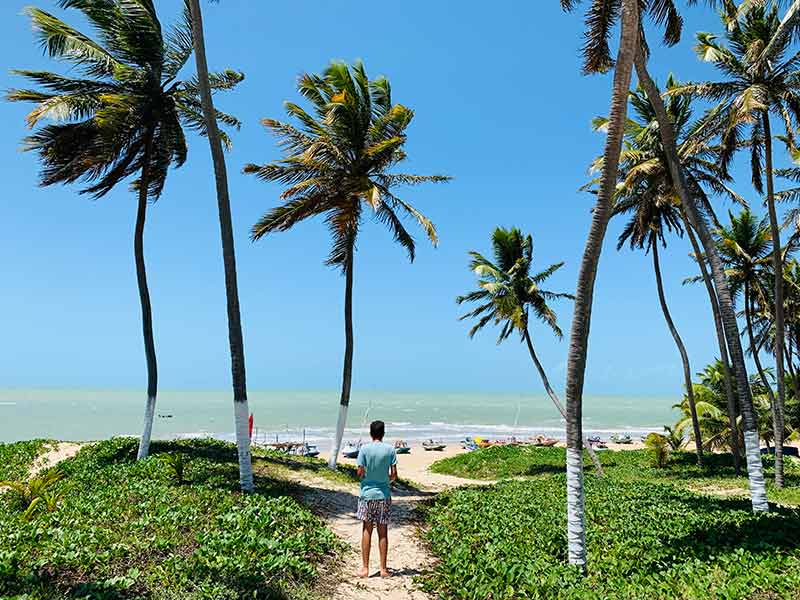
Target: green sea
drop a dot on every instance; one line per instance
(288, 415)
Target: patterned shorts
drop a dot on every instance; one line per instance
(374, 511)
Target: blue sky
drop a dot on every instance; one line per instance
(500, 105)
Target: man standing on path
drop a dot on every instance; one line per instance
(377, 466)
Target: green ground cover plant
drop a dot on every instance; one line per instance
(717, 475)
(16, 458)
(651, 540)
(127, 529)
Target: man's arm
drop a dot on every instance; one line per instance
(362, 470)
(393, 473)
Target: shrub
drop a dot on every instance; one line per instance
(177, 462)
(36, 493)
(659, 447)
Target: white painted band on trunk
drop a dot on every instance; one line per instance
(755, 472)
(241, 418)
(576, 525)
(337, 440)
(147, 430)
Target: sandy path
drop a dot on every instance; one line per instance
(53, 455)
(407, 555)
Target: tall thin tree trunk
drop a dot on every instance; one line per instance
(240, 405)
(755, 468)
(554, 397)
(144, 300)
(777, 264)
(347, 371)
(723, 347)
(687, 371)
(579, 334)
(755, 349)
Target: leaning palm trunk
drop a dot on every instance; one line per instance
(687, 371)
(755, 349)
(777, 265)
(579, 334)
(347, 371)
(755, 469)
(144, 300)
(723, 347)
(554, 397)
(241, 410)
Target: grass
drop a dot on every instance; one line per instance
(127, 529)
(718, 476)
(17, 458)
(650, 534)
(649, 540)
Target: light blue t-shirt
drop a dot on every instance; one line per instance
(376, 458)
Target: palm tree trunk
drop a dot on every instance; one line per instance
(144, 300)
(723, 347)
(754, 349)
(755, 468)
(687, 371)
(240, 405)
(579, 334)
(777, 264)
(554, 397)
(347, 372)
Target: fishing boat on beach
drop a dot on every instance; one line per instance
(295, 448)
(621, 439)
(543, 441)
(401, 447)
(431, 445)
(351, 450)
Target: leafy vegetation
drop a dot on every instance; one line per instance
(682, 470)
(35, 494)
(660, 449)
(16, 458)
(126, 529)
(508, 541)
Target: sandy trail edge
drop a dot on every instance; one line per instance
(54, 454)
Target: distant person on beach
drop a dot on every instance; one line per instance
(377, 466)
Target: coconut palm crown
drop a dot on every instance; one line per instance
(126, 108)
(507, 292)
(645, 182)
(603, 15)
(338, 160)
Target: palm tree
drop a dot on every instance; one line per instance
(646, 189)
(645, 164)
(123, 116)
(597, 58)
(745, 248)
(600, 20)
(752, 90)
(697, 220)
(647, 194)
(337, 164)
(508, 294)
(216, 140)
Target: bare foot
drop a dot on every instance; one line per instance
(363, 572)
(385, 573)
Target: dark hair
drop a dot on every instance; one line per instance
(376, 430)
